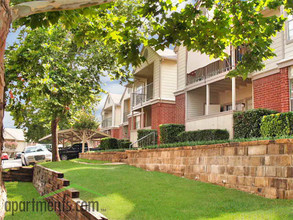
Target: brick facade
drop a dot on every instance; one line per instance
(180, 109)
(115, 133)
(162, 113)
(272, 92)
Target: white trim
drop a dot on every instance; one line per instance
(265, 74)
(285, 62)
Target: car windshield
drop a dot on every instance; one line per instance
(31, 149)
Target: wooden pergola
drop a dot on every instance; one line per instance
(76, 136)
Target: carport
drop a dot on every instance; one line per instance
(76, 136)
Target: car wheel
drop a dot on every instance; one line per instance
(64, 157)
(22, 162)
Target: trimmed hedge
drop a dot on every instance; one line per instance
(277, 125)
(144, 132)
(109, 143)
(169, 132)
(247, 124)
(123, 143)
(203, 135)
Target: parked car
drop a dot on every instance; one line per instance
(4, 156)
(34, 154)
(71, 152)
(17, 156)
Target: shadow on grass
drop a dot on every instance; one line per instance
(133, 193)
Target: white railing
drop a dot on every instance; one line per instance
(148, 140)
(142, 95)
(107, 122)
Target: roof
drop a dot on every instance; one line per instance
(75, 135)
(14, 134)
(116, 98)
(167, 54)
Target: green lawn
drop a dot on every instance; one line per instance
(22, 192)
(126, 192)
(90, 161)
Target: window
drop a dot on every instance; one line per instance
(290, 27)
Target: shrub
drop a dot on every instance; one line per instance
(123, 143)
(277, 125)
(169, 132)
(203, 135)
(109, 143)
(247, 124)
(144, 132)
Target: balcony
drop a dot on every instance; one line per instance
(125, 117)
(142, 95)
(208, 71)
(107, 122)
(216, 68)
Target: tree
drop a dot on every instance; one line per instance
(87, 124)
(11, 11)
(49, 77)
(210, 26)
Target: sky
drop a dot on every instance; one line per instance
(108, 85)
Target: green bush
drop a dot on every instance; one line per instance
(276, 125)
(203, 135)
(144, 132)
(109, 143)
(169, 132)
(247, 124)
(123, 143)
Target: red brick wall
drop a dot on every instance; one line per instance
(180, 109)
(162, 113)
(272, 92)
(120, 130)
(115, 133)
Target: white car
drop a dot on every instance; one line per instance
(34, 154)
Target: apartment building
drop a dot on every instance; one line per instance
(206, 99)
(111, 115)
(148, 101)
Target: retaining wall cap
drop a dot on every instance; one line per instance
(232, 144)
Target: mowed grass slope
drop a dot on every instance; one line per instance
(25, 192)
(126, 192)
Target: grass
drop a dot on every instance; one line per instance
(17, 192)
(89, 161)
(196, 143)
(126, 192)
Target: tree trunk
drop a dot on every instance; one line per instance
(5, 21)
(54, 130)
(83, 141)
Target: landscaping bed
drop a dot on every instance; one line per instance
(126, 192)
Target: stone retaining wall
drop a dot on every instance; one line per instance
(105, 156)
(260, 167)
(66, 202)
(21, 174)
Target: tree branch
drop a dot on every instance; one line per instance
(34, 7)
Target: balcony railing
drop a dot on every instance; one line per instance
(107, 122)
(142, 95)
(208, 71)
(125, 116)
(215, 68)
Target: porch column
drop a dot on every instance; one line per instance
(207, 99)
(142, 118)
(113, 115)
(234, 94)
